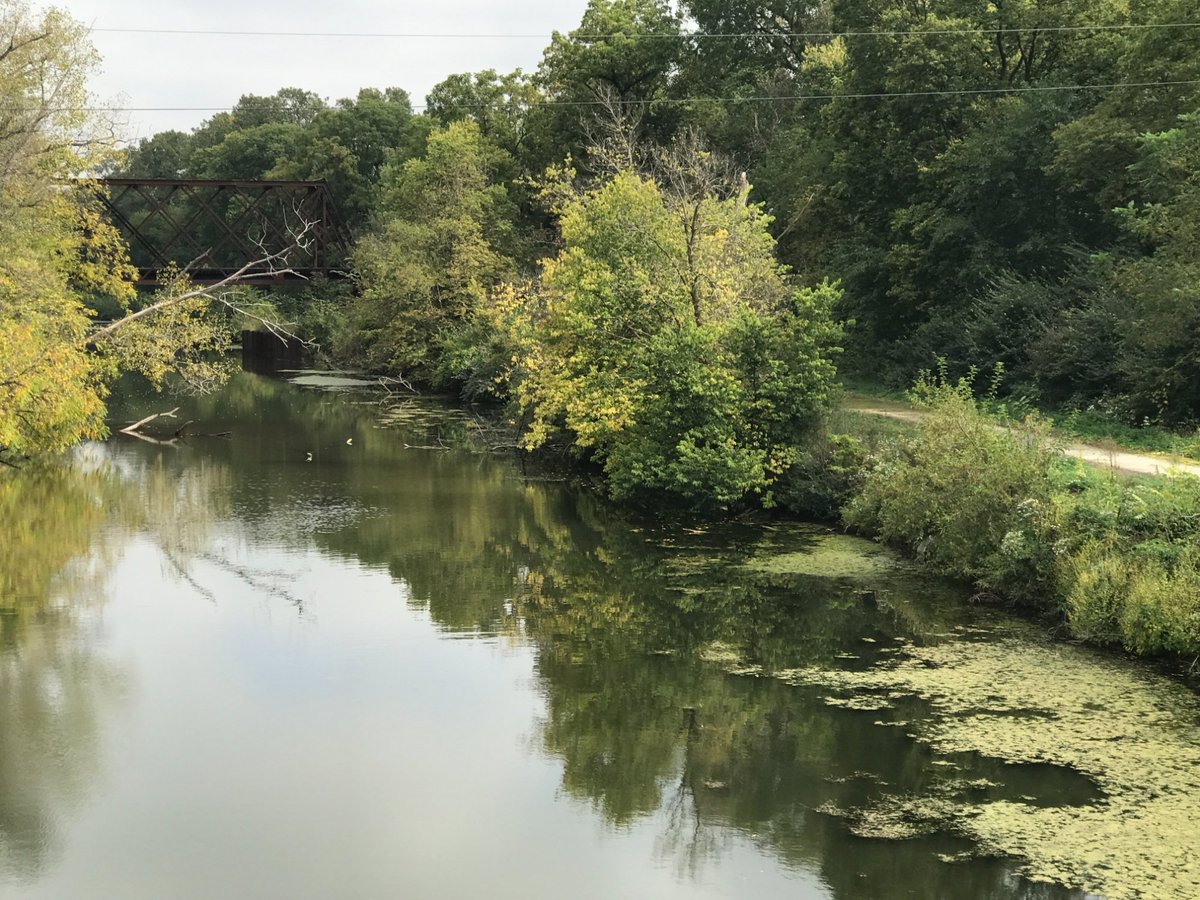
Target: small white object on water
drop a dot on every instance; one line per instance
(349, 441)
(308, 457)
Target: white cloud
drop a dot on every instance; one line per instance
(149, 70)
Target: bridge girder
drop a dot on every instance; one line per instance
(215, 227)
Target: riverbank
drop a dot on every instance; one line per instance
(1007, 508)
(1004, 506)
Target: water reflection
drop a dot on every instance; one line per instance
(55, 689)
(623, 623)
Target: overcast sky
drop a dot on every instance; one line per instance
(156, 70)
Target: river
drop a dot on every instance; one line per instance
(341, 652)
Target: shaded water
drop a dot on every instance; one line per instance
(226, 671)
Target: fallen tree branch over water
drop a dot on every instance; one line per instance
(136, 426)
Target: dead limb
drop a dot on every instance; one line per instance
(173, 442)
(386, 382)
(133, 429)
(269, 265)
(439, 446)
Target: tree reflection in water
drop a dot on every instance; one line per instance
(625, 619)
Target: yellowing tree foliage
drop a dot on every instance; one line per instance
(60, 255)
(56, 252)
(665, 340)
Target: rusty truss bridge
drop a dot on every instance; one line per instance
(289, 229)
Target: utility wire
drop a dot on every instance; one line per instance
(682, 35)
(780, 98)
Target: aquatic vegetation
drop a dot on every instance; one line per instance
(331, 381)
(830, 556)
(1023, 700)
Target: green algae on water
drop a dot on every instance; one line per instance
(331, 381)
(1023, 700)
(829, 556)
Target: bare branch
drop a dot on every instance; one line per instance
(270, 265)
(132, 429)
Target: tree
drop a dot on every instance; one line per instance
(1162, 287)
(624, 51)
(497, 103)
(665, 342)
(51, 387)
(61, 256)
(167, 154)
(435, 248)
(762, 37)
(288, 106)
(349, 144)
(247, 153)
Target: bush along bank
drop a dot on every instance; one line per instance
(1118, 560)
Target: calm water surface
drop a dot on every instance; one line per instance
(401, 672)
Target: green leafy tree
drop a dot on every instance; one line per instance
(918, 199)
(496, 103)
(288, 106)
(665, 341)
(621, 56)
(436, 247)
(247, 153)
(1162, 288)
(348, 145)
(167, 154)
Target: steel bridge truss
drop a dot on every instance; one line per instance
(214, 228)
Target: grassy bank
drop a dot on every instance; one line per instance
(1117, 559)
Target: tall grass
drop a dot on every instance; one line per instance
(979, 497)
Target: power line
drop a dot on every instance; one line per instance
(682, 35)
(780, 98)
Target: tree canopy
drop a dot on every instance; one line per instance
(1004, 183)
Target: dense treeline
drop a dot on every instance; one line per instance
(655, 244)
(1009, 182)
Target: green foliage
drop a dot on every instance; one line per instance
(350, 143)
(1131, 573)
(664, 341)
(163, 155)
(248, 153)
(496, 103)
(984, 500)
(959, 490)
(937, 162)
(1162, 361)
(1097, 425)
(424, 270)
(291, 135)
(623, 52)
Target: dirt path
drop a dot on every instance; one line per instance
(1116, 459)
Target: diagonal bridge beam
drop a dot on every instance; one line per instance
(215, 226)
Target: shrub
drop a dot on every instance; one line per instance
(968, 496)
(425, 266)
(664, 343)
